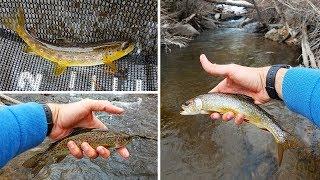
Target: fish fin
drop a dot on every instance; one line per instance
(59, 69)
(113, 67)
(290, 143)
(28, 50)
(80, 130)
(21, 17)
(109, 58)
(37, 162)
(33, 161)
(16, 23)
(247, 98)
(280, 149)
(59, 158)
(9, 23)
(264, 129)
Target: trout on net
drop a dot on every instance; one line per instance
(64, 57)
(254, 114)
(57, 151)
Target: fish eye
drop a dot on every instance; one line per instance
(187, 103)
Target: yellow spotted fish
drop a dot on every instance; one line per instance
(64, 57)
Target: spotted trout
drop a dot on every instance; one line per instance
(254, 114)
(57, 151)
(64, 57)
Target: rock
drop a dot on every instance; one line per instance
(208, 24)
(217, 16)
(255, 27)
(278, 35)
(246, 21)
(184, 30)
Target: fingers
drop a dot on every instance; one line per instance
(101, 105)
(97, 123)
(214, 69)
(228, 116)
(238, 119)
(215, 116)
(123, 152)
(103, 152)
(89, 151)
(74, 150)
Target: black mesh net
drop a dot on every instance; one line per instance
(75, 23)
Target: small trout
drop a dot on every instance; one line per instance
(64, 57)
(57, 151)
(254, 114)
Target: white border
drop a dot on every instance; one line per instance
(122, 92)
(159, 88)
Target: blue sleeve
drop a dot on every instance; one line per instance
(23, 127)
(301, 92)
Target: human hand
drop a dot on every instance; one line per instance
(240, 80)
(66, 117)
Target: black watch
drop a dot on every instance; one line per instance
(271, 78)
(48, 113)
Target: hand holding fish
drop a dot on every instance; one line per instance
(66, 117)
(241, 80)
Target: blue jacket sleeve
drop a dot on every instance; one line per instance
(301, 92)
(22, 127)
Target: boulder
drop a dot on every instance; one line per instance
(208, 24)
(184, 30)
(278, 35)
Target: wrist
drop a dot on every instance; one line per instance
(279, 80)
(54, 115)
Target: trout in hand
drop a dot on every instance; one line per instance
(64, 57)
(57, 151)
(254, 114)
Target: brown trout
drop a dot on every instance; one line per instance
(64, 57)
(254, 114)
(57, 151)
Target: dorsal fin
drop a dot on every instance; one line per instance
(247, 98)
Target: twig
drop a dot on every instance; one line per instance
(9, 99)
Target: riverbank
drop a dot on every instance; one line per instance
(293, 23)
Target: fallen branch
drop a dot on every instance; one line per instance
(186, 20)
(233, 3)
(8, 99)
(307, 54)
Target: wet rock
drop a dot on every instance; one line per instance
(217, 16)
(255, 27)
(140, 118)
(208, 24)
(185, 30)
(278, 35)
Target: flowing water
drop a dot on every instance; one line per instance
(194, 147)
(140, 118)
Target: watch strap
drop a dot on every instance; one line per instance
(48, 113)
(271, 78)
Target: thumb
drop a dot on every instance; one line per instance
(102, 105)
(214, 69)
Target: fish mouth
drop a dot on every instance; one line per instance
(186, 111)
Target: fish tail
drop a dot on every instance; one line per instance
(36, 162)
(16, 23)
(290, 143)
